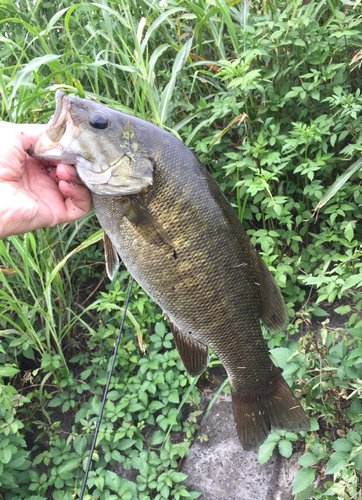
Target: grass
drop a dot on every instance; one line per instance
(267, 95)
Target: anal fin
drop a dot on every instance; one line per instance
(194, 355)
(111, 256)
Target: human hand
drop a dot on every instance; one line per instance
(33, 195)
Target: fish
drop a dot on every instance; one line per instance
(165, 217)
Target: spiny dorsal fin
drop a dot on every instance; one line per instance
(143, 220)
(193, 354)
(274, 313)
(111, 256)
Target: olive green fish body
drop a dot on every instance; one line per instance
(165, 216)
(209, 283)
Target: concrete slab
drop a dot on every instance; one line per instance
(222, 470)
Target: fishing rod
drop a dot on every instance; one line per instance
(123, 318)
(105, 392)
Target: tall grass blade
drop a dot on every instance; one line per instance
(244, 11)
(336, 186)
(94, 238)
(54, 19)
(229, 23)
(157, 23)
(167, 93)
(23, 75)
(226, 381)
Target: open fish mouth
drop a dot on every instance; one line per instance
(60, 133)
(109, 158)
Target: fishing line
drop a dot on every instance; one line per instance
(105, 392)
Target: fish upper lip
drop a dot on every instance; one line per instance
(49, 145)
(59, 120)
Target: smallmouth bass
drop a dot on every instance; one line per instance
(164, 215)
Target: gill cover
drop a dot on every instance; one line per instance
(129, 173)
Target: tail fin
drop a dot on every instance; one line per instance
(257, 412)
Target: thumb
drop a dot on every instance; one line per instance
(28, 134)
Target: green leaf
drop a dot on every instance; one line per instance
(354, 437)
(342, 444)
(5, 455)
(165, 491)
(158, 437)
(113, 481)
(160, 329)
(155, 405)
(307, 459)
(54, 19)
(70, 464)
(303, 479)
(314, 425)
(282, 354)
(178, 476)
(306, 494)
(267, 448)
(318, 311)
(8, 371)
(113, 395)
(143, 397)
(134, 407)
(124, 444)
(174, 396)
(348, 231)
(285, 448)
(342, 309)
(57, 401)
(99, 482)
(338, 460)
(94, 238)
(291, 94)
(79, 444)
(291, 436)
(194, 495)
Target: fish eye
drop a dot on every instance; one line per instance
(97, 120)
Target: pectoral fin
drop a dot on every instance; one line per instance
(111, 256)
(194, 355)
(143, 220)
(274, 313)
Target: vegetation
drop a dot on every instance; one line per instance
(269, 99)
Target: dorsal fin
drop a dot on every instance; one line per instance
(193, 354)
(274, 313)
(111, 256)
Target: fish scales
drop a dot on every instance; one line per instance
(165, 216)
(203, 280)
